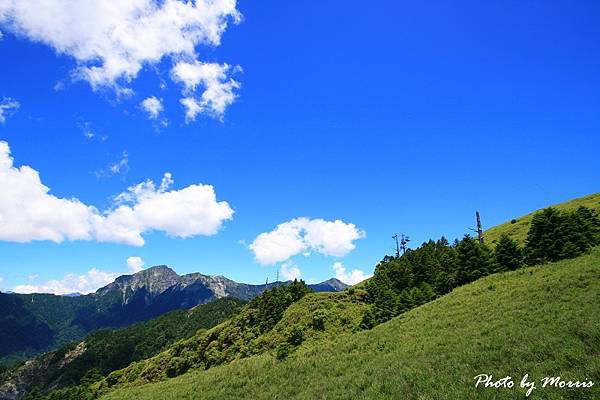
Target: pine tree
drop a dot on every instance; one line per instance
(544, 239)
(509, 255)
(474, 260)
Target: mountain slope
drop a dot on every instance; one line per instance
(541, 321)
(272, 322)
(107, 350)
(519, 228)
(35, 323)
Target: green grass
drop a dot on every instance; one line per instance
(235, 339)
(543, 321)
(518, 230)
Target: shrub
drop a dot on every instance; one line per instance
(296, 335)
(318, 319)
(282, 351)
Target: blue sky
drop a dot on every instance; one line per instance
(391, 116)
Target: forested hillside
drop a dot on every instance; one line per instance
(31, 324)
(108, 350)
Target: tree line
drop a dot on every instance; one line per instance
(437, 267)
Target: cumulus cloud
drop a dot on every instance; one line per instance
(152, 106)
(135, 264)
(29, 212)
(334, 238)
(7, 107)
(289, 271)
(71, 283)
(218, 90)
(112, 41)
(349, 277)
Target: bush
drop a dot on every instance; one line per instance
(296, 335)
(282, 351)
(318, 319)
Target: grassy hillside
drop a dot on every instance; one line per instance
(240, 337)
(519, 228)
(542, 321)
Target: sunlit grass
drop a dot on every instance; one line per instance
(543, 321)
(518, 230)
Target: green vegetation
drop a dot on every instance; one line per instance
(435, 317)
(517, 228)
(541, 320)
(108, 350)
(435, 268)
(555, 235)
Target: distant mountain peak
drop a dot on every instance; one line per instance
(332, 284)
(154, 280)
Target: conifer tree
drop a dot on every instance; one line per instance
(509, 255)
(474, 260)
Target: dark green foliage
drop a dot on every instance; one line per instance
(21, 331)
(269, 306)
(239, 337)
(109, 350)
(509, 256)
(474, 260)
(435, 268)
(318, 319)
(556, 235)
(282, 351)
(417, 277)
(296, 335)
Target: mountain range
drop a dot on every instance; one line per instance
(33, 323)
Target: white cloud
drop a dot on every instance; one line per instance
(192, 108)
(135, 264)
(153, 107)
(29, 212)
(115, 168)
(350, 278)
(289, 271)
(120, 166)
(112, 41)
(334, 238)
(7, 107)
(218, 90)
(32, 277)
(71, 283)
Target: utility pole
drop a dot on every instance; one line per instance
(479, 229)
(277, 276)
(397, 245)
